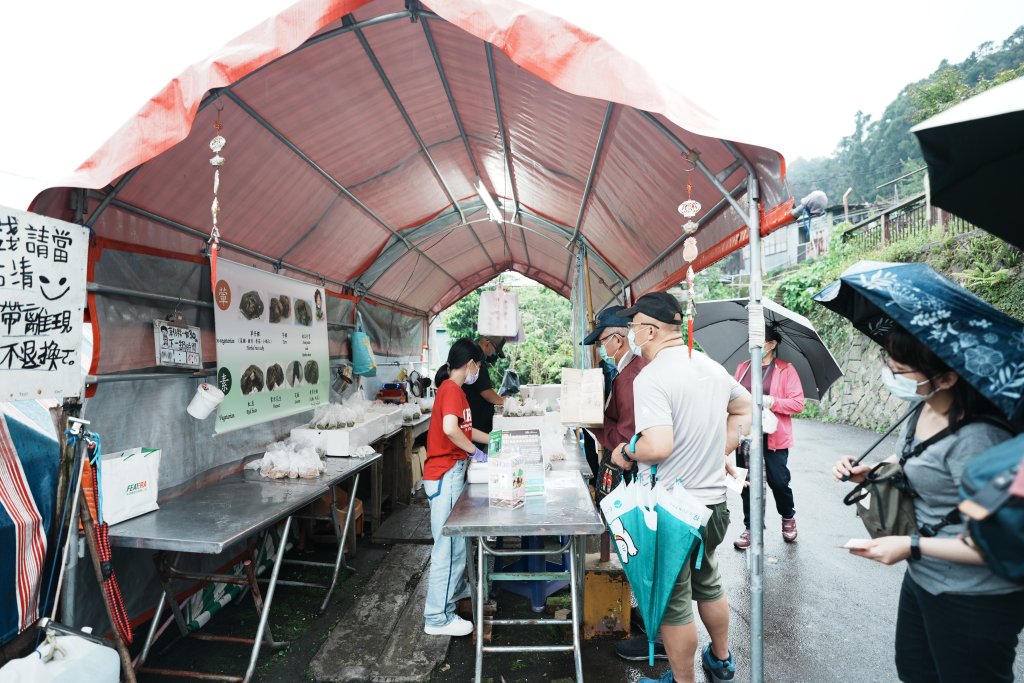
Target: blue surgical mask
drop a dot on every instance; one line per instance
(604, 355)
(903, 387)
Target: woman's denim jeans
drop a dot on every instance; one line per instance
(448, 582)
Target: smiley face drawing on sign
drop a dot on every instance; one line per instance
(61, 283)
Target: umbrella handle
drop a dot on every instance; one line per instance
(882, 438)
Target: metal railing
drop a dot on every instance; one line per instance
(907, 219)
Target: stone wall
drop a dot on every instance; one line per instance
(859, 397)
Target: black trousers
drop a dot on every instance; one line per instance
(776, 472)
(944, 638)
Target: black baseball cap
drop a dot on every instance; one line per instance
(498, 343)
(661, 306)
(609, 317)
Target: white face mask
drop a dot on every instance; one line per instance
(903, 387)
(633, 346)
(473, 377)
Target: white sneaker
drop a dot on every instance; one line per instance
(456, 627)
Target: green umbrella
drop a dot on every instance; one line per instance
(655, 529)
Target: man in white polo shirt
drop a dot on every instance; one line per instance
(682, 405)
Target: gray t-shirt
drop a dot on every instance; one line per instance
(691, 395)
(935, 475)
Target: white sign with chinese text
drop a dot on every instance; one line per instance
(177, 345)
(42, 298)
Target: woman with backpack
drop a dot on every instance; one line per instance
(450, 438)
(957, 621)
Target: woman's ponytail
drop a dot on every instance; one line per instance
(442, 374)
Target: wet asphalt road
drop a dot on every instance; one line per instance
(829, 616)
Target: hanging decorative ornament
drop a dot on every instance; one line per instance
(690, 249)
(690, 307)
(690, 227)
(689, 208)
(217, 161)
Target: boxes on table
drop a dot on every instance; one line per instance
(418, 458)
(582, 401)
(506, 485)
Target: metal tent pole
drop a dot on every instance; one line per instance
(755, 557)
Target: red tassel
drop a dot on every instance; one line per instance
(689, 336)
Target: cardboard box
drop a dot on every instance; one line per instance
(418, 459)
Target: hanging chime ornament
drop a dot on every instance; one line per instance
(691, 307)
(217, 161)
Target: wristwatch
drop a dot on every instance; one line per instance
(915, 548)
(625, 455)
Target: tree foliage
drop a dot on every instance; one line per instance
(877, 151)
(547, 344)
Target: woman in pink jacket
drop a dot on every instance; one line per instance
(784, 396)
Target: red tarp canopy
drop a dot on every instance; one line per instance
(355, 130)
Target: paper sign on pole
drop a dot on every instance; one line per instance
(42, 298)
(272, 354)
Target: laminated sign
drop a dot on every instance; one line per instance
(272, 356)
(582, 401)
(42, 299)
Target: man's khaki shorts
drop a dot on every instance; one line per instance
(704, 584)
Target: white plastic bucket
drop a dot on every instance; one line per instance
(206, 399)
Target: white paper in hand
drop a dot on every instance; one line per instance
(857, 544)
(736, 483)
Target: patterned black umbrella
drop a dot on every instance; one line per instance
(981, 344)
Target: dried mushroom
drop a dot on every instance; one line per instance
(303, 313)
(295, 373)
(251, 305)
(275, 377)
(312, 372)
(286, 306)
(252, 380)
(275, 311)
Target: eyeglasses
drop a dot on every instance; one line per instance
(633, 326)
(608, 336)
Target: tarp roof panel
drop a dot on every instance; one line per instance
(309, 122)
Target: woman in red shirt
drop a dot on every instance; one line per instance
(449, 446)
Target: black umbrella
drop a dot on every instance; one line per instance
(975, 157)
(721, 329)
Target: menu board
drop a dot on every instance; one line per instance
(42, 298)
(272, 355)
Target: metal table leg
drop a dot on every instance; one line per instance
(577, 607)
(270, 597)
(481, 566)
(340, 559)
(151, 635)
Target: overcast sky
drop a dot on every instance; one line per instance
(74, 71)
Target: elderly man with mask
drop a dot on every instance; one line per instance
(610, 336)
(481, 394)
(610, 332)
(682, 404)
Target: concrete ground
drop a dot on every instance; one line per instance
(829, 616)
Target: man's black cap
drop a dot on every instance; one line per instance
(609, 317)
(661, 306)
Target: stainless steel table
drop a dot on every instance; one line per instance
(211, 519)
(566, 509)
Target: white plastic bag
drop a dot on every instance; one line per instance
(129, 481)
(498, 313)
